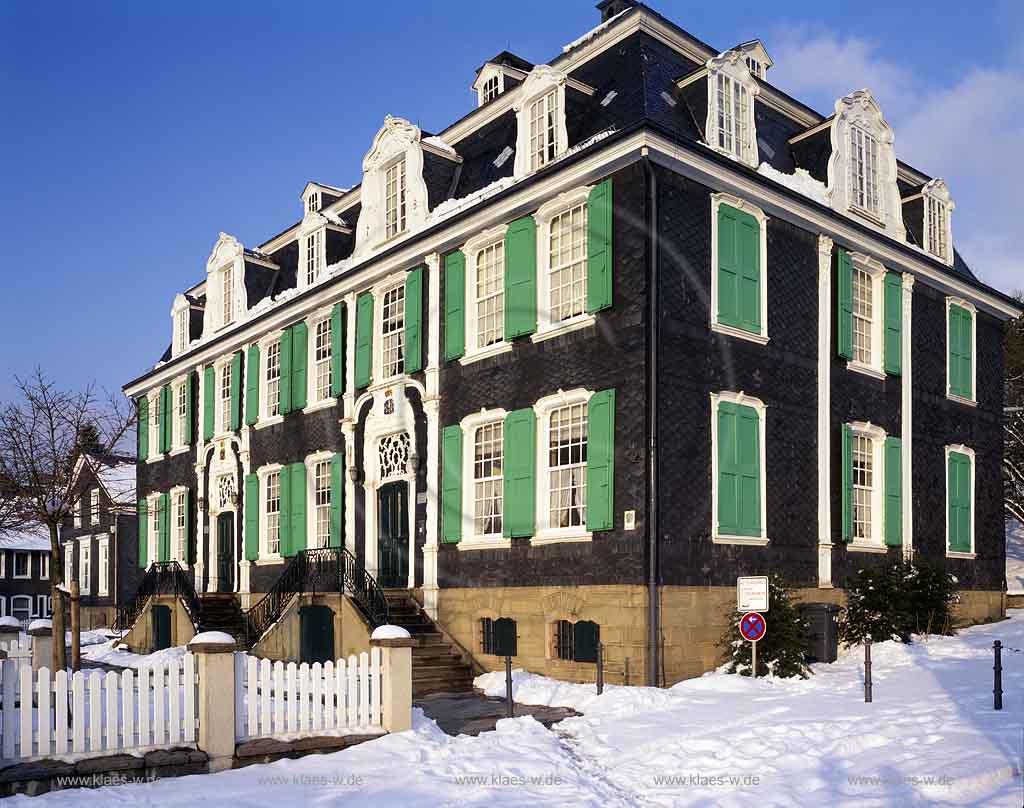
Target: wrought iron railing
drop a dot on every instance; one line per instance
(162, 578)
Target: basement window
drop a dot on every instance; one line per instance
(577, 642)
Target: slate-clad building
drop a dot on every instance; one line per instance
(25, 575)
(637, 324)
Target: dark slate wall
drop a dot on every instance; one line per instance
(439, 174)
(813, 153)
(609, 355)
(913, 219)
(773, 133)
(125, 546)
(480, 149)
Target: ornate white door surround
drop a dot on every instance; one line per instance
(222, 497)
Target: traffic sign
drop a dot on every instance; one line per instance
(753, 627)
(752, 593)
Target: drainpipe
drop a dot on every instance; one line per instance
(653, 320)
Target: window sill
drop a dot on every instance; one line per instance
(567, 327)
(855, 547)
(497, 349)
(557, 537)
(179, 450)
(267, 561)
(964, 556)
(732, 331)
(155, 459)
(867, 215)
(493, 543)
(867, 370)
(327, 403)
(271, 421)
(967, 402)
(749, 541)
(22, 577)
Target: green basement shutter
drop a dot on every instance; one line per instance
(297, 515)
(521, 278)
(454, 305)
(893, 292)
(585, 637)
(601, 460)
(208, 391)
(959, 495)
(338, 350)
(285, 384)
(143, 425)
(252, 517)
(143, 520)
(164, 543)
(337, 499)
(960, 381)
(300, 361)
(190, 408)
(520, 457)
(414, 321)
(599, 247)
(739, 269)
(252, 385)
(844, 309)
(236, 391)
(893, 492)
(189, 544)
(364, 339)
(166, 422)
(739, 470)
(847, 461)
(451, 484)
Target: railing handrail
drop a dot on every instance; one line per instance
(161, 578)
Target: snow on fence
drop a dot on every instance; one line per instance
(18, 650)
(95, 713)
(275, 700)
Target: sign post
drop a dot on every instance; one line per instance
(753, 628)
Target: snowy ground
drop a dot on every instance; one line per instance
(107, 653)
(1014, 558)
(930, 738)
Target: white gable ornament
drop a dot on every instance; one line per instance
(733, 64)
(540, 81)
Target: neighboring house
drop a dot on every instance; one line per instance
(100, 538)
(25, 574)
(636, 325)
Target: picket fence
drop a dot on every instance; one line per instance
(274, 699)
(18, 650)
(95, 713)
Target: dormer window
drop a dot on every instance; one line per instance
(181, 331)
(313, 256)
(730, 126)
(732, 115)
(227, 295)
(755, 67)
(938, 213)
(864, 171)
(543, 130)
(394, 199)
(491, 89)
(313, 202)
(540, 120)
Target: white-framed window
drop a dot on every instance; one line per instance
(76, 511)
(94, 506)
(936, 228)
(180, 393)
(314, 257)
(739, 268)
(867, 503)
(181, 331)
(961, 354)
(69, 562)
(42, 606)
(541, 135)
(488, 478)
(544, 117)
(864, 175)
(485, 291)
(562, 466)
(319, 469)
(224, 397)
(394, 199)
(153, 533)
(738, 469)
(755, 67)
(868, 315)
(85, 566)
(3, 565)
(44, 567)
(179, 526)
(227, 295)
(21, 607)
(730, 124)
(272, 380)
(3, 606)
(271, 534)
(960, 513)
(103, 566)
(22, 564)
(322, 360)
(154, 424)
(491, 89)
(392, 328)
(313, 202)
(562, 261)
(733, 101)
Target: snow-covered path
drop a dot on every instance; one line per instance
(930, 738)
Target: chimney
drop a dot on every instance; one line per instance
(609, 8)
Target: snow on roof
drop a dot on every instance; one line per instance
(34, 537)
(118, 481)
(438, 143)
(594, 31)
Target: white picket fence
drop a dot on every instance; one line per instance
(96, 713)
(278, 700)
(19, 650)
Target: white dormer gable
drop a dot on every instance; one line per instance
(312, 239)
(489, 84)
(225, 285)
(393, 193)
(730, 127)
(181, 311)
(756, 57)
(311, 198)
(938, 220)
(540, 120)
(862, 168)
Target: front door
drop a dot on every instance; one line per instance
(226, 552)
(316, 634)
(393, 536)
(161, 627)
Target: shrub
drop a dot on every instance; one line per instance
(783, 650)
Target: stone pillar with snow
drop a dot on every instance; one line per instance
(215, 667)
(41, 632)
(396, 672)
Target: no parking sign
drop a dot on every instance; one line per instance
(753, 626)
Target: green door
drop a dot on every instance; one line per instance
(161, 627)
(316, 629)
(393, 536)
(225, 552)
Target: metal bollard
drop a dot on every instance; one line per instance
(625, 672)
(600, 668)
(867, 671)
(510, 710)
(997, 671)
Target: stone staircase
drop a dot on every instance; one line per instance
(222, 612)
(437, 667)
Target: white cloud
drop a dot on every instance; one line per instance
(969, 133)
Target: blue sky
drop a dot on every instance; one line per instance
(135, 132)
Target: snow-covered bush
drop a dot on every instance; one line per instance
(783, 650)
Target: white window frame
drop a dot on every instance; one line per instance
(937, 201)
(717, 200)
(103, 566)
(179, 414)
(154, 427)
(542, 81)
(731, 67)
(485, 91)
(313, 256)
(44, 566)
(546, 327)
(27, 554)
(877, 436)
(401, 208)
(876, 273)
(222, 425)
(313, 202)
(85, 565)
(15, 599)
(180, 323)
(964, 304)
(3, 606)
(265, 344)
(179, 532)
(865, 170)
(69, 562)
(226, 281)
(263, 473)
(94, 506)
(380, 293)
(41, 603)
(311, 462)
(76, 511)
(740, 399)
(959, 448)
(471, 250)
(153, 528)
(470, 540)
(3, 565)
(313, 322)
(544, 533)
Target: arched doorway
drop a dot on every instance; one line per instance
(393, 535)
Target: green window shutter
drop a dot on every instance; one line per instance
(297, 515)
(338, 499)
(143, 519)
(208, 391)
(739, 269)
(893, 492)
(521, 278)
(893, 323)
(451, 484)
(728, 267)
(236, 391)
(959, 496)
(252, 517)
(847, 461)
(338, 350)
(166, 423)
(190, 408)
(300, 361)
(844, 308)
(364, 339)
(953, 349)
(454, 305)
(966, 357)
(599, 247)
(189, 545)
(739, 470)
(143, 441)
(252, 385)
(601, 461)
(520, 459)
(285, 386)
(960, 350)
(414, 321)
(585, 638)
(164, 543)
(284, 530)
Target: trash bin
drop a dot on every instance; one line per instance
(823, 633)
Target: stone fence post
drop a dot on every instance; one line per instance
(396, 672)
(10, 629)
(41, 632)
(215, 667)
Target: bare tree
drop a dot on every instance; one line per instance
(1013, 449)
(40, 440)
